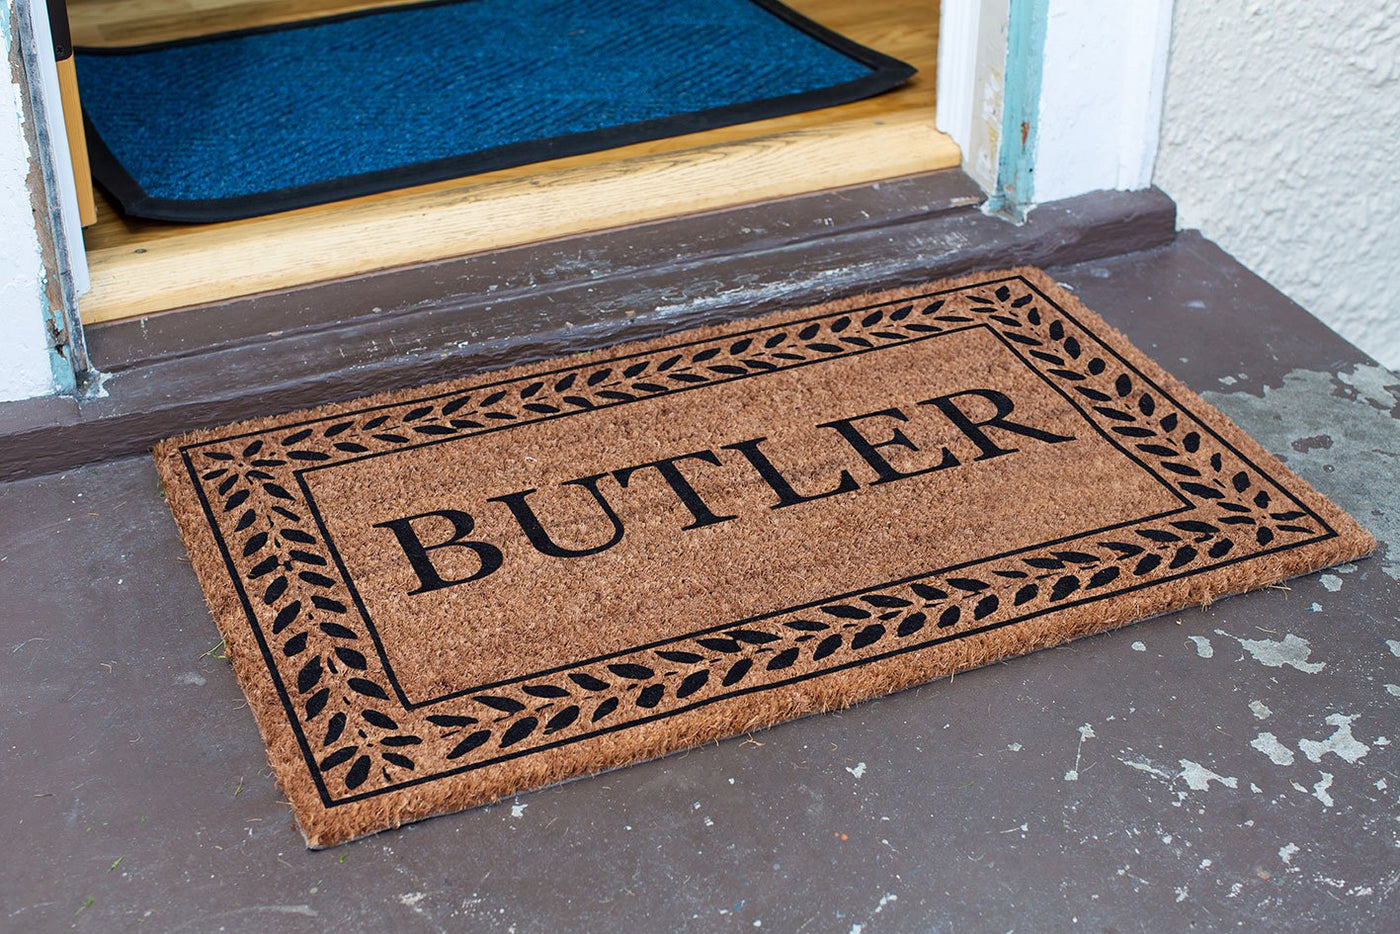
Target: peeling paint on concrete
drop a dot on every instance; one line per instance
(1341, 743)
(1260, 709)
(1320, 789)
(1086, 732)
(1203, 646)
(1292, 651)
(1366, 436)
(1332, 582)
(1198, 777)
(1286, 853)
(1269, 745)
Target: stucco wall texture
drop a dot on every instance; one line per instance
(1279, 141)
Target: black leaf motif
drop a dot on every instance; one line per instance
(351, 658)
(472, 741)
(265, 566)
(928, 592)
(295, 645)
(806, 625)
(826, 647)
(681, 658)
(309, 676)
(911, 624)
(367, 688)
(587, 681)
(275, 590)
(845, 611)
(631, 670)
(503, 704)
(545, 690)
(651, 695)
(562, 719)
(1102, 576)
(605, 708)
(949, 617)
(317, 703)
(381, 720)
(728, 646)
(403, 739)
(449, 719)
(337, 631)
(1148, 564)
(338, 757)
(885, 600)
(752, 636)
(403, 762)
(286, 616)
(737, 671)
(868, 636)
(986, 606)
(968, 584)
(334, 728)
(692, 683)
(1025, 594)
(1064, 587)
(359, 771)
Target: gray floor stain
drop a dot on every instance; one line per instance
(1366, 435)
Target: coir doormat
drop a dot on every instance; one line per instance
(262, 120)
(437, 597)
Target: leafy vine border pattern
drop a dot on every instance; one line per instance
(359, 736)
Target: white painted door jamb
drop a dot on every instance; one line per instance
(60, 230)
(1053, 98)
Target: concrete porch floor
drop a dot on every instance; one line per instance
(1232, 767)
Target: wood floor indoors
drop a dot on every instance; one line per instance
(140, 267)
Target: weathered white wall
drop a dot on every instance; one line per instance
(24, 358)
(1281, 141)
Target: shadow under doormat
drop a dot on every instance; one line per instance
(437, 597)
(269, 119)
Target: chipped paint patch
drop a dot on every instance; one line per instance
(1270, 653)
(1145, 765)
(517, 810)
(1198, 777)
(1320, 789)
(1203, 646)
(1085, 732)
(857, 770)
(1394, 646)
(1269, 745)
(1260, 709)
(1139, 647)
(1286, 853)
(1332, 582)
(1341, 743)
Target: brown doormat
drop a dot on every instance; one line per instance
(437, 597)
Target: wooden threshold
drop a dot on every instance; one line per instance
(139, 268)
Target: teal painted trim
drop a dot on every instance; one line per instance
(65, 378)
(1020, 109)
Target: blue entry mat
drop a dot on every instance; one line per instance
(253, 122)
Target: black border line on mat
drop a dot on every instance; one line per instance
(328, 801)
(886, 73)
